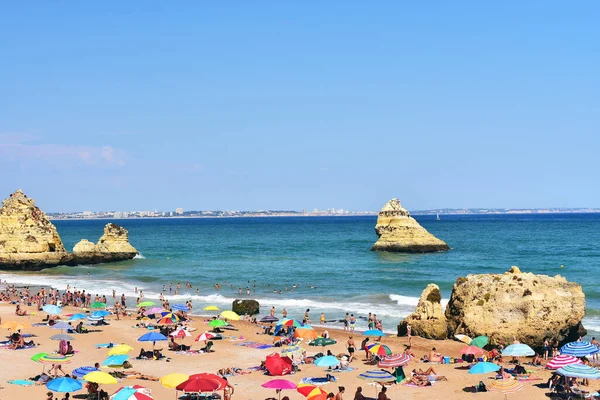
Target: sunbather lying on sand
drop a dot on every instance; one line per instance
(133, 375)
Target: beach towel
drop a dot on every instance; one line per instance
(318, 381)
(255, 345)
(104, 345)
(528, 379)
(417, 386)
(21, 382)
(189, 352)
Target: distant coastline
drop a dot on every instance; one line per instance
(87, 215)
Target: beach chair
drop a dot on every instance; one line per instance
(208, 347)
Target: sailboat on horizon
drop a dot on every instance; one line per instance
(437, 218)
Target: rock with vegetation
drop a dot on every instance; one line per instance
(399, 232)
(241, 307)
(516, 305)
(428, 320)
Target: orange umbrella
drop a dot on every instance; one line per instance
(305, 333)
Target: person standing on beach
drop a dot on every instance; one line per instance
(306, 316)
(322, 318)
(351, 348)
(595, 355)
(284, 313)
(409, 334)
(352, 322)
(346, 322)
(273, 311)
(546, 348)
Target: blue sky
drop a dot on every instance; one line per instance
(290, 105)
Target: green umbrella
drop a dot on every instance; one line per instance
(322, 342)
(216, 323)
(98, 304)
(38, 356)
(146, 304)
(479, 341)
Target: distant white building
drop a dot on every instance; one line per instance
(179, 211)
(170, 213)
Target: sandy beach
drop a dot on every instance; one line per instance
(229, 354)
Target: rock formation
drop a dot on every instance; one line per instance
(517, 305)
(241, 307)
(428, 320)
(29, 241)
(399, 232)
(113, 246)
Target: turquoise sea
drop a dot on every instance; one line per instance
(333, 254)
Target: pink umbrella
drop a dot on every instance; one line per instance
(394, 360)
(472, 350)
(279, 385)
(154, 310)
(562, 361)
(205, 336)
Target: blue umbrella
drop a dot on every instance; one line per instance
(484, 368)
(518, 350)
(52, 309)
(116, 360)
(64, 385)
(152, 337)
(83, 371)
(579, 371)
(62, 326)
(579, 349)
(377, 376)
(180, 307)
(96, 318)
(373, 332)
(326, 361)
(100, 313)
(77, 316)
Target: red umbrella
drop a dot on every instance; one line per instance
(277, 365)
(472, 350)
(198, 384)
(205, 336)
(212, 377)
(394, 360)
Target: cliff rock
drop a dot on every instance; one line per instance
(113, 246)
(241, 307)
(28, 240)
(517, 305)
(399, 232)
(428, 320)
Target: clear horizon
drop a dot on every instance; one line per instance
(122, 106)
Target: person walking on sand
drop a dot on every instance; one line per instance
(351, 348)
(409, 334)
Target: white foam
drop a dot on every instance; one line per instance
(140, 256)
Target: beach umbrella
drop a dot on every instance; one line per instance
(377, 376)
(289, 322)
(172, 380)
(230, 315)
(196, 384)
(38, 356)
(464, 338)
(119, 349)
(279, 385)
(16, 326)
(77, 316)
(83, 371)
(504, 385)
(269, 319)
(322, 342)
(170, 315)
(484, 368)
(61, 336)
(146, 304)
(277, 365)
(100, 313)
(310, 391)
(48, 359)
(379, 349)
(115, 360)
(180, 307)
(135, 392)
(205, 336)
(52, 309)
(215, 323)
(479, 341)
(154, 310)
(292, 351)
(373, 332)
(472, 350)
(211, 308)
(326, 361)
(518, 350)
(62, 326)
(180, 333)
(98, 304)
(306, 333)
(95, 318)
(394, 361)
(212, 377)
(100, 377)
(579, 371)
(579, 349)
(562, 360)
(152, 337)
(167, 321)
(64, 385)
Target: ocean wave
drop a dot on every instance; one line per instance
(411, 301)
(139, 256)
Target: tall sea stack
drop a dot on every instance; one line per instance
(399, 232)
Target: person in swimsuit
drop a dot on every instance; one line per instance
(409, 333)
(351, 348)
(346, 322)
(228, 390)
(306, 316)
(352, 322)
(546, 348)
(284, 313)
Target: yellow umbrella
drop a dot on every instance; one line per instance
(99, 377)
(119, 349)
(230, 315)
(464, 338)
(15, 326)
(212, 308)
(172, 380)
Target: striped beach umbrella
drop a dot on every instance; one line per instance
(61, 336)
(310, 391)
(83, 371)
(180, 333)
(504, 386)
(54, 360)
(579, 371)
(518, 350)
(562, 360)
(289, 322)
(61, 325)
(379, 349)
(377, 376)
(394, 361)
(579, 349)
(95, 318)
(135, 392)
(100, 313)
